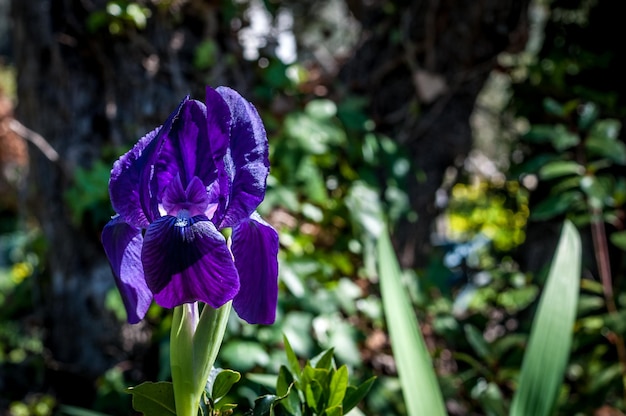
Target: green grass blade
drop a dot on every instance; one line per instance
(551, 335)
(417, 377)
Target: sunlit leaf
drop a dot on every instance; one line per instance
(338, 386)
(551, 334)
(355, 394)
(292, 360)
(417, 376)
(560, 168)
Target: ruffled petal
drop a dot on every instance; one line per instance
(194, 199)
(124, 188)
(186, 260)
(255, 248)
(129, 188)
(183, 146)
(122, 245)
(218, 125)
(247, 163)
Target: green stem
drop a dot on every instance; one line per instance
(194, 345)
(184, 321)
(207, 341)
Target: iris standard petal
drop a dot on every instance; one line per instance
(129, 188)
(184, 147)
(124, 187)
(194, 199)
(218, 125)
(122, 245)
(185, 259)
(255, 248)
(247, 163)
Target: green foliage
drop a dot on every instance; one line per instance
(118, 17)
(89, 195)
(154, 399)
(318, 388)
(419, 383)
(551, 335)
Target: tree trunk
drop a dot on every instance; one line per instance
(445, 50)
(83, 88)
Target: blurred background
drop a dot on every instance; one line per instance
(474, 127)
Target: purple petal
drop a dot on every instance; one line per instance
(194, 199)
(122, 245)
(255, 248)
(124, 188)
(218, 122)
(129, 184)
(185, 259)
(247, 165)
(181, 148)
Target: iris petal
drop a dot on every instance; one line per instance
(255, 248)
(181, 148)
(125, 176)
(122, 245)
(194, 199)
(187, 260)
(247, 164)
(218, 125)
(129, 189)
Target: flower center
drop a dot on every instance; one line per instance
(184, 203)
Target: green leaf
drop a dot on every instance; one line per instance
(223, 382)
(603, 141)
(292, 360)
(154, 399)
(264, 405)
(338, 386)
(314, 393)
(354, 395)
(588, 115)
(245, 354)
(558, 135)
(66, 410)
(477, 341)
(334, 411)
(292, 403)
(560, 168)
(285, 379)
(555, 205)
(551, 334)
(596, 189)
(619, 239)
(417, 377)
(324, 360)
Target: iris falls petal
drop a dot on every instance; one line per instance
(186, 259)
(255, 248)
(122, 245)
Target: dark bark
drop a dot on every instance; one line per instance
(82, 90)
(422, 67)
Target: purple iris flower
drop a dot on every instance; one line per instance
(204, 170)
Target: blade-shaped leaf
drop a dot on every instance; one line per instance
(292, 360)
(355, 394)
(338, 386)
(417, 377)
(551, 335)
